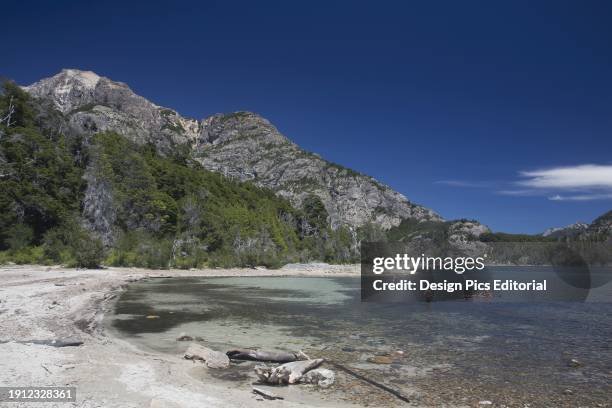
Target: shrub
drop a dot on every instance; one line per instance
(154, 254)
(24, 256)
(88, 251)
(19, 236)
(118, 257)
(56, 243)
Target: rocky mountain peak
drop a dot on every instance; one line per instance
(88, 79)
(68, 90)
(95, 104)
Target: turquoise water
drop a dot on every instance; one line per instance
(459, 351)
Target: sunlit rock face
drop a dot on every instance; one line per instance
(241, 145)
(246, 146)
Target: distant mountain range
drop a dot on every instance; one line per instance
(571, 230)
(601, 226)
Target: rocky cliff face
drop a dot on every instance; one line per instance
(240, 145)
(602, 225)
(462, 231)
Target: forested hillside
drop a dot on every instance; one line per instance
(79, 192)
(97, 199)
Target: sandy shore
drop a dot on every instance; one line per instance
(47, 303)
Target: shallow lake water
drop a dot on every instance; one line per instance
(456, 352)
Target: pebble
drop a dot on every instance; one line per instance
(485, 402)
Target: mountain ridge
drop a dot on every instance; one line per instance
(241, 145)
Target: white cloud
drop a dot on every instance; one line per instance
(576, 178)
(584, 182)
(520, 193)
(580, 197)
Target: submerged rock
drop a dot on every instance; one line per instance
(320, 376)
(184, 337)
(380, 360)
(212, 358)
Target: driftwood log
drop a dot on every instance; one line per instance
(51, 343)
(266, 394)
(212, 358)
(376, 384)
(289, 373)
(266, 355)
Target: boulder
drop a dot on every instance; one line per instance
(319, 376)
(289, 373)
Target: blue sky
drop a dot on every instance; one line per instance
(499, 111)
